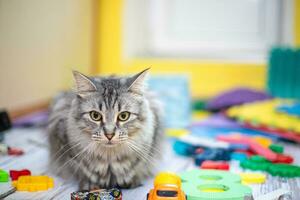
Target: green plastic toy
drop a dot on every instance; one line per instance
(276, 148)
(3, 176)
(214, 185)
(260, 163)
(284, 72)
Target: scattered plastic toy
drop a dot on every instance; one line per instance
(275, 169)
(33, 183)
(166, 186)
(101, 194)
(276, 148)
(15, 174)
(214, 184)
(240, 156)
(212, 154)
(253, 178)
(3, 176)
(218, 165)
(7, 150)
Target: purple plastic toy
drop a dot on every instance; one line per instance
(235, 97)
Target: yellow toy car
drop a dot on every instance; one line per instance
(167, 186)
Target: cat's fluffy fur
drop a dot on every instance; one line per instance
(78, 146)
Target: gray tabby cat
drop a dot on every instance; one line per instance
(106, 134)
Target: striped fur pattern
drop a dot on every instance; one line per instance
(80, 146)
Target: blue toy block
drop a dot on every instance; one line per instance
(238, 156)
(212, 154)
(183, 148)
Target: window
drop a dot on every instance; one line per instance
(206, 29)
(166, 193)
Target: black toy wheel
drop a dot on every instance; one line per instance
(147, 196)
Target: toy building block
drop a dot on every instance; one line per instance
(276, 148)
(6, 150)
(275, 169)
(166, 186)
(254, 146)
(212, 154)
(15, 174)
(101, 194)
(214, 184)
(3, 176)
(218, 165)
(33, 183)
(240, 156)
(253, 178)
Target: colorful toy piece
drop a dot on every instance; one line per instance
(3, 176)
(218, 165)
(101, 194)
(7, 150)
(260, 163)
(254, 146)
(212, 154)
(214, 184)
(263, 116)
(33, 183)
(166, 186)
(240, 156)
(253, 178)
(276, 148)
(15, 174)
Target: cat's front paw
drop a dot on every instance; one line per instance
(86, 185)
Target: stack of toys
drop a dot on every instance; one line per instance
(265, 117)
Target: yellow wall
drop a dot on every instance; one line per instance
(207, 78)
(40, 42)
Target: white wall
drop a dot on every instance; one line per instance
(40, 42)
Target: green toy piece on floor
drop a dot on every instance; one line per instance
(214, 185)
(275, 169)
(276, 148)
(3, 176)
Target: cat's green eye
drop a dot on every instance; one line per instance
(123, 116)
(96, 116)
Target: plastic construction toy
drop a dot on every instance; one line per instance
(214, 185)
(33, 183)
(218, 165)
(253, 178)
(212, 154)
(283, 73)
(254, 146)
(3, 176)
(167, 186)
(276, 148)
(291, 109)
(4, 149)
(101, 194)
(264, 116)
(15, 174)
(258, 148)
(240, 156)
(275, 169)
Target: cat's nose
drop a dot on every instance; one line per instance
(109, 136)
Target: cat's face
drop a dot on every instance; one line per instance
(110, 110)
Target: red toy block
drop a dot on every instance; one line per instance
(15, 151)
(282, 158)
(15, 174)
(219, 165)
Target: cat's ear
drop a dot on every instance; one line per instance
(83, 84)
(136, 83)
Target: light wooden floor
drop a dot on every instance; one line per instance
(34, 142)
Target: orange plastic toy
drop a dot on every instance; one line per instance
(167, 186)
(33, 183)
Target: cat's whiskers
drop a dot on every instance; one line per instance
(74, 157)
(145, 156)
